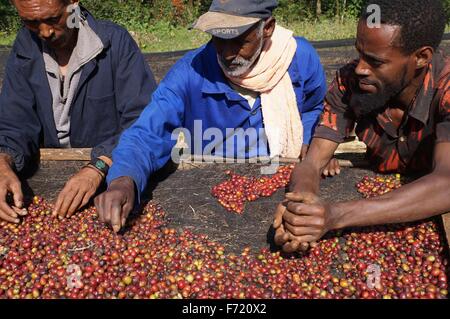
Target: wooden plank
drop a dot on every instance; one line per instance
(446, 223)
(352, 147)
(84, 154)
(63, 154)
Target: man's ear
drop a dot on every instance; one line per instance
(423, 57)
(269, 27)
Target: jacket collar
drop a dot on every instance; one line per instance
(420, 108)
(29, 46)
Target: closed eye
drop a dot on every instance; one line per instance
(53, 20)
(375, 62)
(30, 22)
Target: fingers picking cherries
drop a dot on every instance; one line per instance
(82, 258)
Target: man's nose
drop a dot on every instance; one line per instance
(227, 50)
(46, 31)
(230, 52)
(363, 68)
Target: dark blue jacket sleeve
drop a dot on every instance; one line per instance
(315, 88)
(147, 145)
(134, 84)
(20, 127)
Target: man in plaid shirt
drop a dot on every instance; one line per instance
(397, 95)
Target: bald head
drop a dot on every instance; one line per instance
(39, 5)
(47, 19)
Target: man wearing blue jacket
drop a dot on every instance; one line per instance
(70, 81)
(253, 82)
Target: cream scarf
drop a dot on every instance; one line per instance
(270, 77)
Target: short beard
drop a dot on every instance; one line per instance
(364, 104)
(240, 65)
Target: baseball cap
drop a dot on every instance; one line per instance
(228, 19)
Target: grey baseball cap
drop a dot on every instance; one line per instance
(228, 19)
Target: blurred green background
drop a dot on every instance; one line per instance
(161, 25)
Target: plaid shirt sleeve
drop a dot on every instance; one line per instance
(443, 123)
(337, 120)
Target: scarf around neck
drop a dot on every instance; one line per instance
(270, 77)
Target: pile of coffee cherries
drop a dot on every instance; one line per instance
(233, 193)
(376, 186)
(82, 258)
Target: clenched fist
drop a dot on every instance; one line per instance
(300, 221)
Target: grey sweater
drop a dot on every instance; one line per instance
(63, 88)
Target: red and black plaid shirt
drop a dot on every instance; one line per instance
(408, 148)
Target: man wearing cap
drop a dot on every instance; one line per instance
(253, 75)
(70, 81)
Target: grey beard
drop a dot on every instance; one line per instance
(242, 64)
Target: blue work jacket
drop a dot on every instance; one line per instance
(196, 96)
(114, 89)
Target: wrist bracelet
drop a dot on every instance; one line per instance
(95, 169)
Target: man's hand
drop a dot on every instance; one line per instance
(77, 192)
(333, 168)
(290, 241)
(307, 218)
(282, 237)
(10, 184)
(114, 205)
